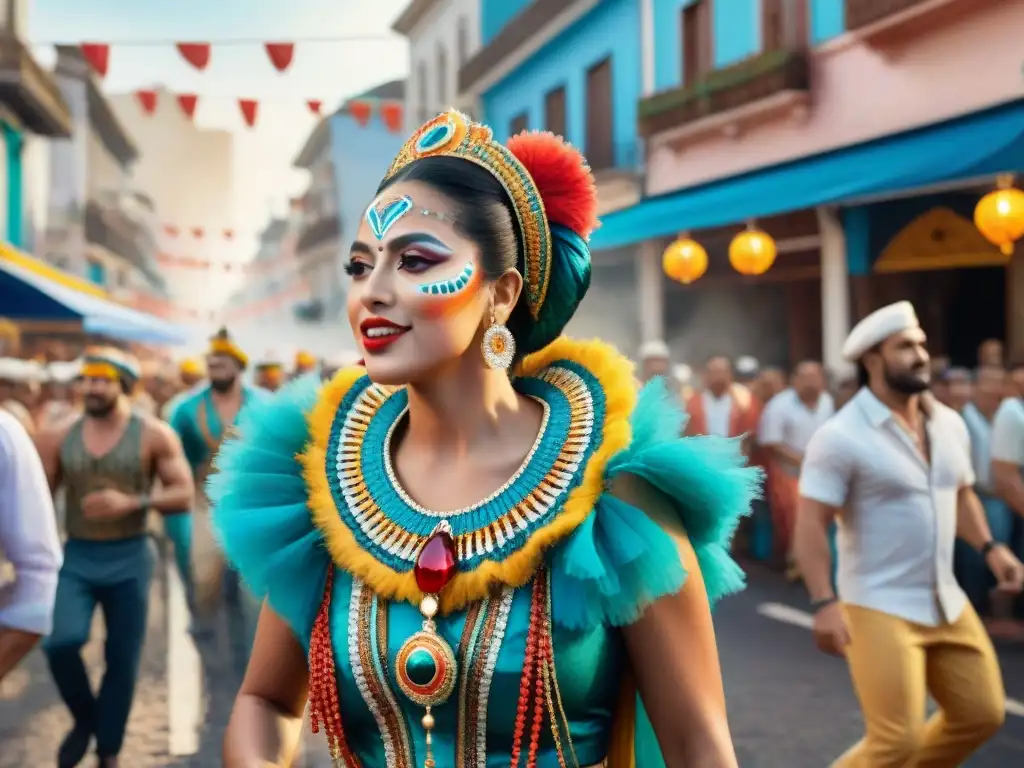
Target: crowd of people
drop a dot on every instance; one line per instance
(777, 412)
(95, 456)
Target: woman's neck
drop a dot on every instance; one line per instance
(453, 412)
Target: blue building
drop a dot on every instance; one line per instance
(573, 68)
(346, 158)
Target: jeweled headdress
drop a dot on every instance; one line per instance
(547, 180)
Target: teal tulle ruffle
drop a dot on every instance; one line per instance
(259, 510)
(619, 560)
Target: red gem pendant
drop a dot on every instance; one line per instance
(435, 564)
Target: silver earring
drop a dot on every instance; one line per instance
(499, 348)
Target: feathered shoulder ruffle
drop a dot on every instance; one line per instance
(308, 481)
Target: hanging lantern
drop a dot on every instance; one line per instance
(685, 260)
(752, 252)
(999, 215)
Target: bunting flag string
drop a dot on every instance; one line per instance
(245, 267)
(294, 291)
(391, 113)
(173, 230)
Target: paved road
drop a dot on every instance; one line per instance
(33, 720)
(790, 706)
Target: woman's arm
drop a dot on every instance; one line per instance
(674, 656)
(265, 723)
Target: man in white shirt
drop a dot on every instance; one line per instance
(1007, 445)
(788, 422)
(29, 542)
(979, 416)
(892, 469)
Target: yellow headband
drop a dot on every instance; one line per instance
(96, 370)
(226, 347)
(190, 367)
(453, 134)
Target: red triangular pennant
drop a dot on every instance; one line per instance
(196, 54)
(315, 105)
(171, 230)
(360, 111)
(147, 100)
(97, 56)
(187, 102)
(229, 234)
(248, 107)
(197, 232)
(280, 55)
(391, 114)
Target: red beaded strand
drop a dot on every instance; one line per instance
(529, 662)
(324, 707)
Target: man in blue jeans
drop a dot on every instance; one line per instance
(978, 415)
(107, 461)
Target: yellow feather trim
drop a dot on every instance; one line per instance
(614, 374)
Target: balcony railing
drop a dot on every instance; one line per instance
(114, 231)
(318, 232)
(862, 13)
(30, 91)
(723, 90)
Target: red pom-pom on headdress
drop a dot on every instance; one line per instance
(563, 179)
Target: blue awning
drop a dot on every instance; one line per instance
(980, 144)
(27, 296)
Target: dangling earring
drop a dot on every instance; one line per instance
(499, 348)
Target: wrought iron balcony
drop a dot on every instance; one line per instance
(30, 91)
(743, 84)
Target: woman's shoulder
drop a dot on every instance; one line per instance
(654, 487)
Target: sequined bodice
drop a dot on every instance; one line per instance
(383, 727)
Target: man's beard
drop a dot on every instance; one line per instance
(222, 385)
(98, 408)
(907, 382)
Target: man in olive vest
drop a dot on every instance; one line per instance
(107, 461)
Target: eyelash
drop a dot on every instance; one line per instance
(358, 269)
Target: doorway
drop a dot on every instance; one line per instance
(977, 311)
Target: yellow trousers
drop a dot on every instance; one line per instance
(895, 663)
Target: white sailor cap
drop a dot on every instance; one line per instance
(747, 365)
(879, 326)
(13, 369)
(654, 349)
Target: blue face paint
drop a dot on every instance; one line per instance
(381, 216)
(451, 285)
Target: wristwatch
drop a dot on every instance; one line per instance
(987, 547)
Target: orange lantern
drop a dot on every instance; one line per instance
(999, 215)
(685, 260)
(752, 252)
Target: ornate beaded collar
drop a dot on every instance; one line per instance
(376, 531)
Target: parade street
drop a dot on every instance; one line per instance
(790, 706)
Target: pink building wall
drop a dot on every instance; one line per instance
(860, 93)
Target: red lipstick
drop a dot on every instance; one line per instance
(378, 334)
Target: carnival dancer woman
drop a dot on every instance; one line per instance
(473, 568)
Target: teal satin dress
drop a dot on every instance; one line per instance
(306, 493)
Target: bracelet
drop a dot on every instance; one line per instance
(817, 605)
(987, 547)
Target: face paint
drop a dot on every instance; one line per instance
(444, 297)
(381, 216)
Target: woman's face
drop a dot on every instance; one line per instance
(418, 299)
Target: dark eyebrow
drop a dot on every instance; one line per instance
(360, 247)
(417, 237)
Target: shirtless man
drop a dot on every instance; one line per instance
(107, 460)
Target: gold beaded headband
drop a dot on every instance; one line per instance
(453, 134)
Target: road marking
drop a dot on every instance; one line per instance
(786, 614)
(797, 618)
(184, 670)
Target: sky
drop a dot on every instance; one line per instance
(323, 68)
